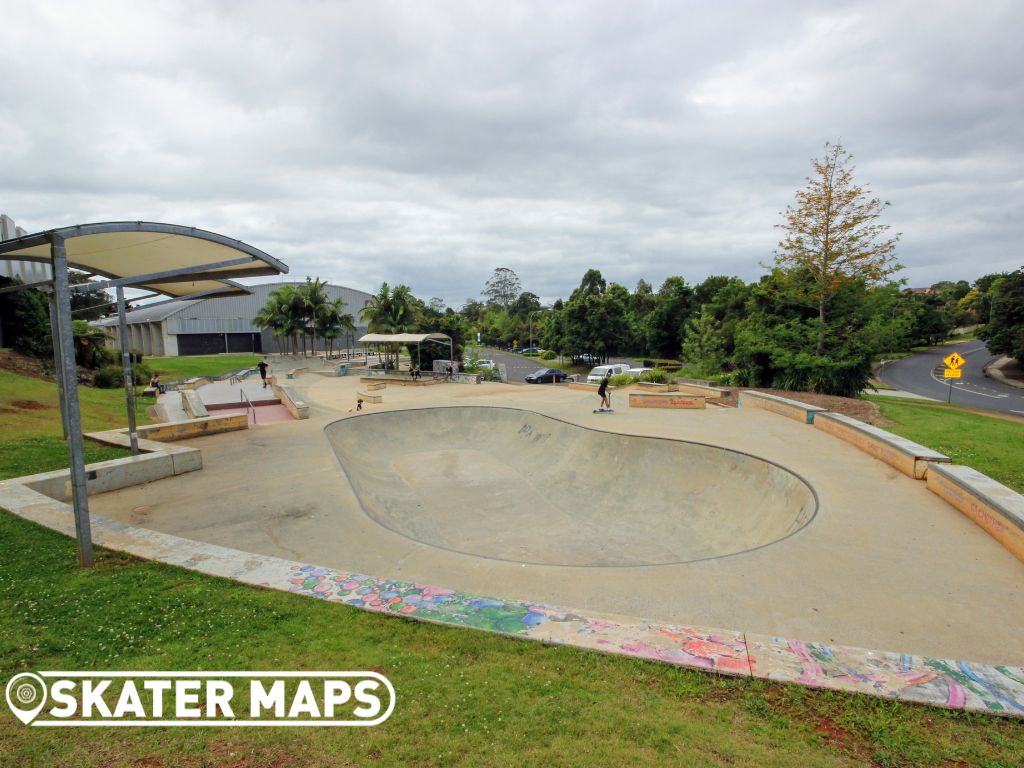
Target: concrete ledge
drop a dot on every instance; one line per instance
(183, 430)
(650, 386)
(368, 398)
(792, 409)
(194, 383)
(996, 508)
(193, 404)
(296, 407)
(104, 475)
(702, 389)
(296, 372)
(905, 455)
(405, 381)
(665, 400)
(376, 385)
(584, 387)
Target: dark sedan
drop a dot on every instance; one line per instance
(546, 375)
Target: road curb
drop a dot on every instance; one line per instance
(994, 371)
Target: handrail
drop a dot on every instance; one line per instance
(246, 399)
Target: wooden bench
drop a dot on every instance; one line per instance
(792, 409)
(665, 400)
(368, 398)
(996, 508)
(905, 455)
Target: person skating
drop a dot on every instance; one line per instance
(606, 396)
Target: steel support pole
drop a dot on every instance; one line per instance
(69, 375)
(126, 368)
(58, 363)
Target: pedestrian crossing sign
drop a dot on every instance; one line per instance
(954, 361)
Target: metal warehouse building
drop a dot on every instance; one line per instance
(212, 326)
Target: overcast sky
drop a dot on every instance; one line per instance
(429, 142)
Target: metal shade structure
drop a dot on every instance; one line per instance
(177, 261)
(409, 338)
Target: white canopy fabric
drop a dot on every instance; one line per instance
(122, 249)
(402, 338)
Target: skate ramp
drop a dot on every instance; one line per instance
(515, 485)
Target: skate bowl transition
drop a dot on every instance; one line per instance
(515, 485)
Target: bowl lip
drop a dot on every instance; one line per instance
(394, 411)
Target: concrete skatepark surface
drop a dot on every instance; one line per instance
(519, 486)
(884, 563)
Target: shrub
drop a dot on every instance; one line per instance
(135, 355)
(621, 380)
(548, 354)
(654, 362)
(657, 376)
(110, 377)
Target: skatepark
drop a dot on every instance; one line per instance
(787, 531)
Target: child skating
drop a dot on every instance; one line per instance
(606, 396)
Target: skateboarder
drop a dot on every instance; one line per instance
(606, 397)
(263, 371)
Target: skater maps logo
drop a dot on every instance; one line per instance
(304, 699)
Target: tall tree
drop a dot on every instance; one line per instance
(503, 287)
(1004, 332)
(833, 233)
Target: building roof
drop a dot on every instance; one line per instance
(151, 314)
(124, 249)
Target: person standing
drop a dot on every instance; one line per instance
(602, 390)
(263, 371)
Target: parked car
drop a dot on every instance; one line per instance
(488, 364)
(636, 373)
(598, 373)
(531, 351)
(546, 375)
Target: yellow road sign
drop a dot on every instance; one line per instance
(954, 361)
(952, 373)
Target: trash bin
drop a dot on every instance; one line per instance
(342, 370)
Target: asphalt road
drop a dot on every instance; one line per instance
(922, 375)
(519, 367)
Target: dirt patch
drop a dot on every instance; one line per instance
(855, 408)
(29, 405)
(23, 365)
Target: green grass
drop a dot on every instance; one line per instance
(30, 433)
(463, 697)
(175, 368)
(992, 446)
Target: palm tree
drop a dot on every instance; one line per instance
(331, 322)
(391, 311)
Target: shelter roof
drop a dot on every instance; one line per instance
(402, 338)
(124, 249)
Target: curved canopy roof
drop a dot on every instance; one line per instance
(402, 338)
(154, 252)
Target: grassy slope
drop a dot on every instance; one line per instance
(464, 697)
(992, 446)
(174, 368)
(30, 437)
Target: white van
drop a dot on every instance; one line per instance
(595, 376)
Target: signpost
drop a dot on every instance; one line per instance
(952, 371)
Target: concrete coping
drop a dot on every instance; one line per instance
(783, 400)
(901, 444)
(1006, 501)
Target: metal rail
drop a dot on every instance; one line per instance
(245, 399)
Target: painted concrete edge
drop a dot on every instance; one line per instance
(954, 684)
(791, 409)
(902, 444)
(678, 400)
(998, 510)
